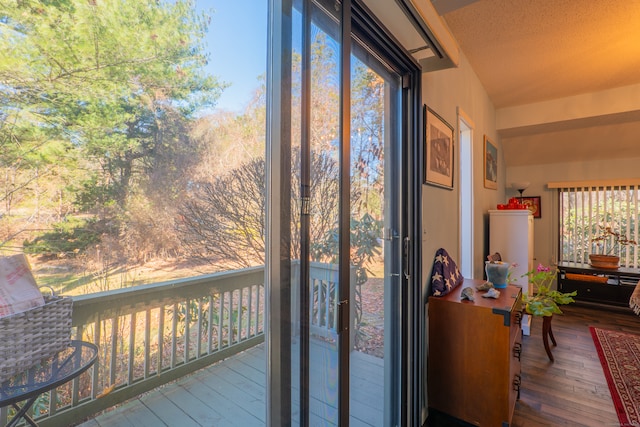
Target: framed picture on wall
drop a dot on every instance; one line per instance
(533, 203)
(490, 164)
(438, 150)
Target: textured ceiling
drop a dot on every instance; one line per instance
(537, 50)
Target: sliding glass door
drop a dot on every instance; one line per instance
(338, 269)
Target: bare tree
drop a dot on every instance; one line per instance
(223, 222)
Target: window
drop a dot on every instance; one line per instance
(465, 125)
(585, 210)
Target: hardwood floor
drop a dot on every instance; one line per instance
(572, 391)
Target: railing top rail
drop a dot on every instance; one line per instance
(86, 307)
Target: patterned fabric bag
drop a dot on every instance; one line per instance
(445, 275)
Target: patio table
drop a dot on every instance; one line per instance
(47, 375)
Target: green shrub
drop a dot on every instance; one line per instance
(67, 239)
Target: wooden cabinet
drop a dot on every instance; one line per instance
(474, 355)
(597, 285)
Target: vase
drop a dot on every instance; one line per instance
(609, 262)
(497, 273)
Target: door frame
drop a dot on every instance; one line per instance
(410, 397)
(360, 22)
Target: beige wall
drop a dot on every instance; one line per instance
(444, 92)
(523, 156)
(592, 136)
(587, 149)
(545, 228)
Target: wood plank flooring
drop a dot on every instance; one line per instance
(572, 391)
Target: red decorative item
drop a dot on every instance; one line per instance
(514, 203)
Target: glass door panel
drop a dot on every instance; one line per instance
(315, 183)
(375, 241)
(324, 168)
(308, 342)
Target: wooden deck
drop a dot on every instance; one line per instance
(232, 393)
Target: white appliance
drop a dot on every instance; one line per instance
(511, 235)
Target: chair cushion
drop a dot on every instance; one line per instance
(445, 275)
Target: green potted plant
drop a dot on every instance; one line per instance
(544, 301)
(609, 243)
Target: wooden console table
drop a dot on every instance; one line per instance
(474, 355)
(598, 285)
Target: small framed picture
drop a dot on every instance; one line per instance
(533, 204)
(438, 150)
(490, 164)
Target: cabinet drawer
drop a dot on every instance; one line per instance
(515, 373)
(615, 287)
(598, 292)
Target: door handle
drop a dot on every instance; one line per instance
(406, 250)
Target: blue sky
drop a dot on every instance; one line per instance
(237, 41)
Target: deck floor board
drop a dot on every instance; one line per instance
(232, 393)
(167, 411)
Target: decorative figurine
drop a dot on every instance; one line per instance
(467, 293)
(492, 293)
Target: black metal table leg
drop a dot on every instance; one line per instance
(22, 413)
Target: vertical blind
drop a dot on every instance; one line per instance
(587, 210)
